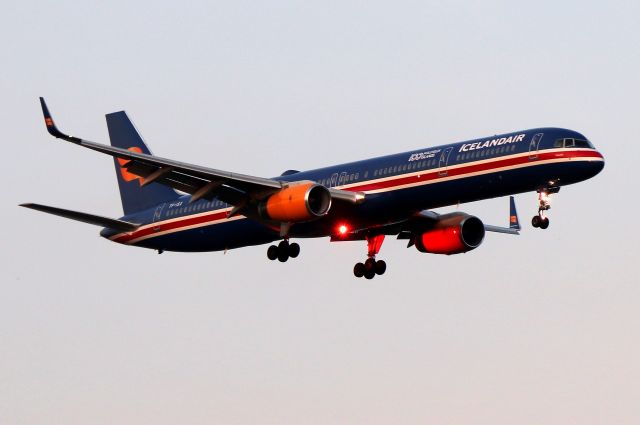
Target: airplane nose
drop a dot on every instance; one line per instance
(597, 166)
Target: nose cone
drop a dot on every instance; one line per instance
(596, 166)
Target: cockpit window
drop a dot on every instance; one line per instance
(571, 143)
(583, 144)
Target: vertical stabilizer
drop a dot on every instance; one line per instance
(134, 196)
(514, 222)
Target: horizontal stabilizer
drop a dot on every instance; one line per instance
(498, 229)
(97, 220)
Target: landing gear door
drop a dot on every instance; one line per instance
(444, 160)
(534, 145)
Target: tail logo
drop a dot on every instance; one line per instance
(127, 175)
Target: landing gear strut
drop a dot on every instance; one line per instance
(544, 204)
(370, 268)
(283, 251)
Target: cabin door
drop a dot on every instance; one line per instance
(535, 145)
(444, 160)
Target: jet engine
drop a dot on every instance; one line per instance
(298, 202)
(452, 234)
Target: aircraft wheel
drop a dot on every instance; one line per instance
(272, 252)
(544, 223)
(283, 251)
(380, 267)
(283, 256)
(294, 250)
(359, 270)
(535, 221)
(370, 264)
(370, 274)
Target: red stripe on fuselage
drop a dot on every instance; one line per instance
(460, 169)
(383, 184)
(163, 226)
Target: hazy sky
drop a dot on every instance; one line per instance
(543, 328)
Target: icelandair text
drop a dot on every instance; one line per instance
(491, 143)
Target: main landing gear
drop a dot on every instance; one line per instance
(370, 268)
(544, 204)
(283, 251)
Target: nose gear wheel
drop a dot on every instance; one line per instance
(541, 221)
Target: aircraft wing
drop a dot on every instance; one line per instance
(97, 220)
(200, 182)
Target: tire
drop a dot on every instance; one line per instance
(294, 250)
(358, 270)
(380, 267)
(535, 221)
(370, 274)
(370, 264)
(283, 256)
(544, 223)
(272, 252)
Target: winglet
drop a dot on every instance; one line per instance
(51, 125)
(514, 223)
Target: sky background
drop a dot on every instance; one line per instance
(540, 328)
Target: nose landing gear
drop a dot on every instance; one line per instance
(283, 251)
(544, 204)
(371, 267)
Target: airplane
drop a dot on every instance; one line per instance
(175, 206)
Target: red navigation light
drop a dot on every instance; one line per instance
(343, 229)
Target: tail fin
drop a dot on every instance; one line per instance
(514, 223)
(134, 196)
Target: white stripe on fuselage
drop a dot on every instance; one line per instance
(382, 190)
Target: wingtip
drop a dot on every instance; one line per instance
(51, 125)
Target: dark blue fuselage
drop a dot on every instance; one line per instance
(396, 187)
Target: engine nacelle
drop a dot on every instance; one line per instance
(298, 202)
(453, 234)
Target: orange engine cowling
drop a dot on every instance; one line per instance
(453, 234)
(300, 201)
